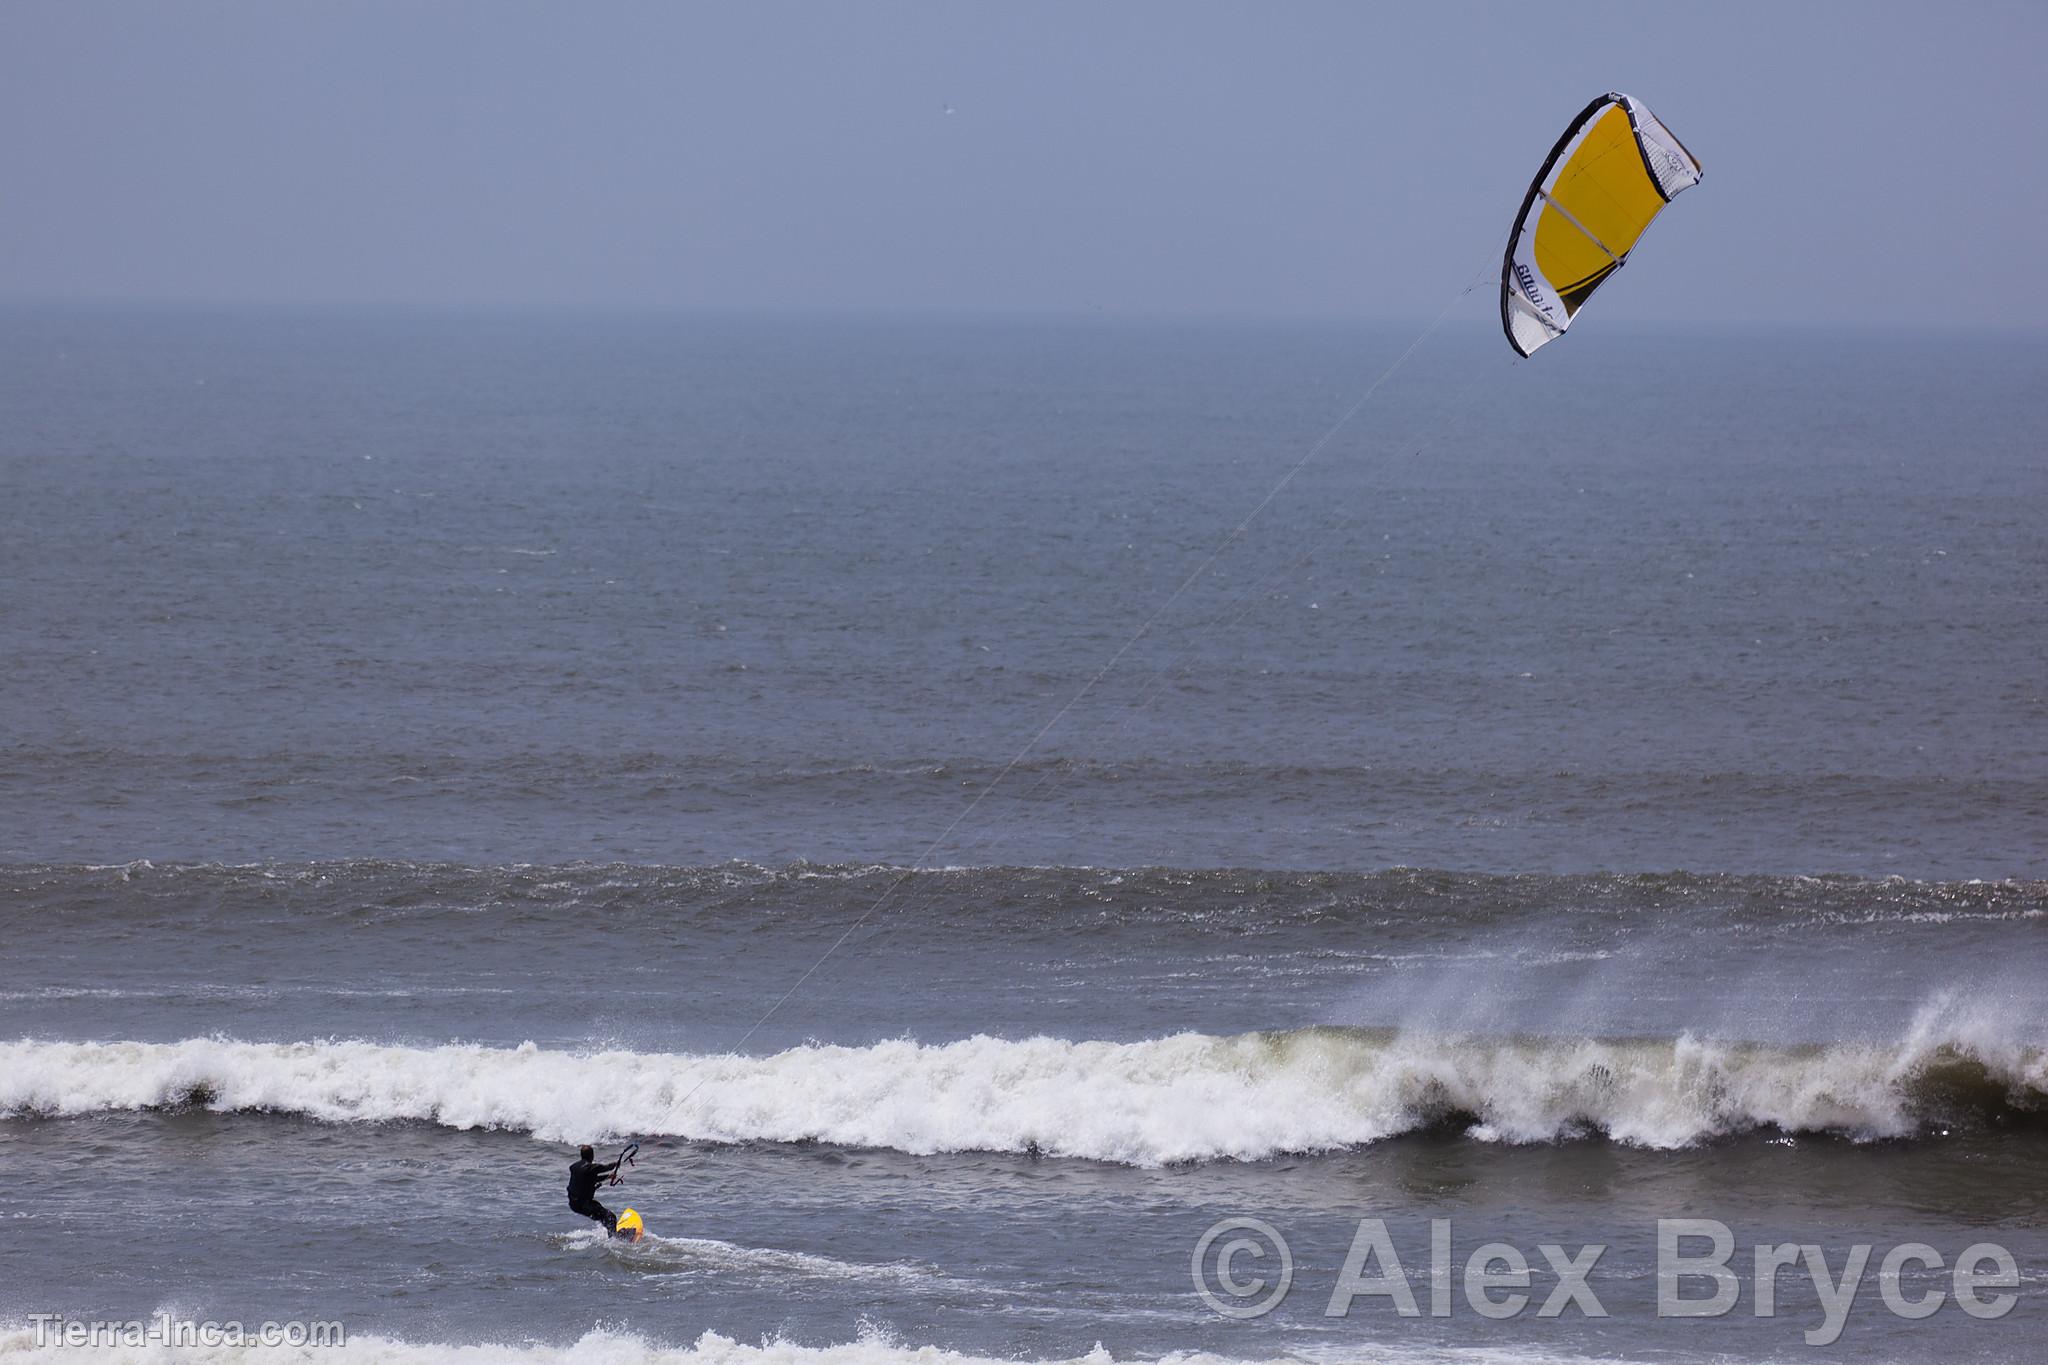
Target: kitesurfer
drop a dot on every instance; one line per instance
(585, 1175)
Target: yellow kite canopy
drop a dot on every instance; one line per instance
(1611, 173)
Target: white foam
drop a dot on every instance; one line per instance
(1181, 1098)
(729, 1259)
(608, 1347)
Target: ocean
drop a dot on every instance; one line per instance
(1018, 818)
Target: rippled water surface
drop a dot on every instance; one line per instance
(1594, 790)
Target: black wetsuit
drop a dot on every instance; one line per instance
(584, 1178)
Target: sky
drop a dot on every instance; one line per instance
(1874, 164)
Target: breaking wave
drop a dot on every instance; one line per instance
(1189, 1097)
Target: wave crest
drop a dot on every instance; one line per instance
(1189, 1097)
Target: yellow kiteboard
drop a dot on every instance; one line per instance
(630, 1228)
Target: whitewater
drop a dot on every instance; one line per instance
(1188, 1097)
(615, 1347)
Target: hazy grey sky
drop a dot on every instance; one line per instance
(1864, 162)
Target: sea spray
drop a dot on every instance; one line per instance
(1187, 1097)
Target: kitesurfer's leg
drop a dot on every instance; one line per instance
(590, 1208)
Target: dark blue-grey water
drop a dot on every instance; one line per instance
(1595, 789)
